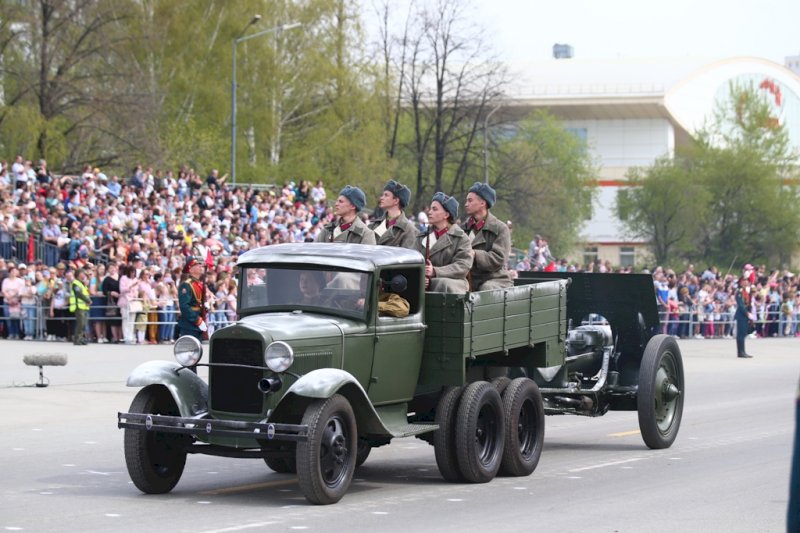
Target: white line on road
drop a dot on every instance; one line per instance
(241, 527)
(603, 465)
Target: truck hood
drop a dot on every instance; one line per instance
(289, 326)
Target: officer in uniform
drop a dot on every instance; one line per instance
(190, 297)
(742, 316)
(491, 240)
(348, 227)
(447, 249)
(79, 301)
(395, 229)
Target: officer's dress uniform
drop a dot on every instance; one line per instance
(742, 319)
(190, 298)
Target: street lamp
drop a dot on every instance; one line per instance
(237, 40)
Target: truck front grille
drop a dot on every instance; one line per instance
(235, 390)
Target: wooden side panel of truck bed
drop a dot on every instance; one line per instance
(489, 324)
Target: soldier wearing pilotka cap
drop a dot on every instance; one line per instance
(395, 229)
(348, 227)
(491, 240)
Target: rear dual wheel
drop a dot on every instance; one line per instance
(524, 427)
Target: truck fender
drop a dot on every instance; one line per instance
(189, 391)
(325, 382)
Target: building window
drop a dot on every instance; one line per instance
(627, 256)
(589, 254)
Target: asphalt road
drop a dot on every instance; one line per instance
(62, 466)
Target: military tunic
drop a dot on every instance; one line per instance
(398, 232)
(190, 298)
(356, 232)
(451, 259)
(491, 242)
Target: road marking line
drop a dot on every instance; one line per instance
(252, 486)
(243, 526)
(625, 433)
(603, 465)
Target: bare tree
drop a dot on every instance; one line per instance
(445, 78)
(61, 59)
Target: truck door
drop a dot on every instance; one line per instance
(398, 345)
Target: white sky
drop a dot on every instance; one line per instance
(524, 30)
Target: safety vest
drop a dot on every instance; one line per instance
(76, 303)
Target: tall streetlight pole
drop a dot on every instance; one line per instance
(236, 41)
(486, 143)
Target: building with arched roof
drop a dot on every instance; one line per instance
(633, 111)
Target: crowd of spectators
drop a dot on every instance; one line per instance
(132, 235)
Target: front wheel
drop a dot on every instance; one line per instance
(155, 460)
(327, 459)
(661, 392)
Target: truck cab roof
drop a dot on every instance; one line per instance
(362, 257)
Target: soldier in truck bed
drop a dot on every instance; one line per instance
(394, 229)
(348, 227)
(447, 249)
(491, 240)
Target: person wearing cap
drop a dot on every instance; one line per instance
(742, 316)
(491, 240)
(447, 249)
(348, 227)
(190, 299)
(395, 229)
(79, 303)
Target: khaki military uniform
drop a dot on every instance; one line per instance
(492, 246)
(357, 233)
(451, 259)
(401, 233)
(391, 304)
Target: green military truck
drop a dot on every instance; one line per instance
(314, 374)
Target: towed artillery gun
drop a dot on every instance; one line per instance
(312, 377)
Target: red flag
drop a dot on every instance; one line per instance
(551, 267)
(209, 259)
(31, 249)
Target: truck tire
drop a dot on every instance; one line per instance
(155, 460)
(362, 451)
(661, 392)
(524, 428)
(444, 443)
(284, 465)
(500, 383)
(281, 465)
(479, 432)
(326, 461)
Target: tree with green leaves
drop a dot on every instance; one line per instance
(547, 179)
(664, 205)
(730, 195)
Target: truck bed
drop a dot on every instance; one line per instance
(490, 324)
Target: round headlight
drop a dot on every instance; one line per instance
(279, 356)
(187, 350)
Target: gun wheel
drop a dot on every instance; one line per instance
(660, 397)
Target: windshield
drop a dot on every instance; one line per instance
(287, 287)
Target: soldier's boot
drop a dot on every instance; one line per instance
(740, 349)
